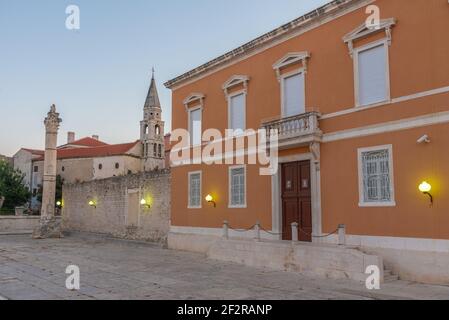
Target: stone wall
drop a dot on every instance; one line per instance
(117, 209)
(14, 224)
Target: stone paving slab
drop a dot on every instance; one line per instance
(114, 269)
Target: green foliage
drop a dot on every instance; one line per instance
(58, 195)
(12, 186)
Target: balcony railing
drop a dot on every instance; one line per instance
(296, 130)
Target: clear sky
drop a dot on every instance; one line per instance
(98, 76)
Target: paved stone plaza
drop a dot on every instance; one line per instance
(115, 269)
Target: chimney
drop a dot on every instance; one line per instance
(96, 137)
(70, 137)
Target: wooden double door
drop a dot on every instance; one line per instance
(297, 200)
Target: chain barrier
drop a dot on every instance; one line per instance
(282, 233)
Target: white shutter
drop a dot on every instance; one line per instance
(237, 112)
(372, 75)
(294, 100)
(195, 127)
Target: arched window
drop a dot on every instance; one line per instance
(155, 149)
(160, 151)
(146, 129)
(157, 130)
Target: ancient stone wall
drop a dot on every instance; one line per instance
(116, 207)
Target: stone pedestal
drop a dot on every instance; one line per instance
(49, 227)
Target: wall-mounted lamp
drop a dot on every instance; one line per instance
(145, 204)
(210, 199)
(92, 204)
(59, 204)
(425, 188)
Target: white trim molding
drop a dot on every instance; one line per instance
(363, 31)
(398, 125)
(290, 59)
(192, 98)
(362, 202)
(410, 97)
(234, 81)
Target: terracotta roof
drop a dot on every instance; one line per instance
(87, 142)
(102, 151)
(284, 30)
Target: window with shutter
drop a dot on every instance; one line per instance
(237, 113)
(195, 127)
(195, 190)
(376, 180)
(372, 75)
(293, 95)
(237, 189)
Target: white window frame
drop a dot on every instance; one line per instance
(282, 78)
(189, 206)
(362, 202)
(190, 110)
(356, 53)
(230, 96)
(230, 206)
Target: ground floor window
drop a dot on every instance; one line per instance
(194, 190)
(237, 187)
(376, 186)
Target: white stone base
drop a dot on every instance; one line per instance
(320, 260)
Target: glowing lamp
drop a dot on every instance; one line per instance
(144, 203)
(59, 204)
(425, 188)
(92, 204)
(210, 199)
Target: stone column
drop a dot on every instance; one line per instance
(49, 226)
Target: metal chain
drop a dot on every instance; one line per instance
(272, 233)
(282, 233)
(241, 230)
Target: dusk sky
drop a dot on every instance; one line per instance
(98, 76)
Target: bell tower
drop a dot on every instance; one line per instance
(152, 131)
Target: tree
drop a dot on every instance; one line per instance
(12, 186)
(58, 194)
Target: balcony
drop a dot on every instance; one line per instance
(296, 131)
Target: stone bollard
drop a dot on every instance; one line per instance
(295, 235)
(226, 230)
(257, 231)
(342, 235)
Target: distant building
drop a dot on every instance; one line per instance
(152, 131)
(7, 159)
(89, 158)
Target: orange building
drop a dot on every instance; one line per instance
(362, 114)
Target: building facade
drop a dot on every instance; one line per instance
(362, 116)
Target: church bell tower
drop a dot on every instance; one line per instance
(152, 131)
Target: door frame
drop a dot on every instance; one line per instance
(276, 193)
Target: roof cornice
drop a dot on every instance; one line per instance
(301, 23)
